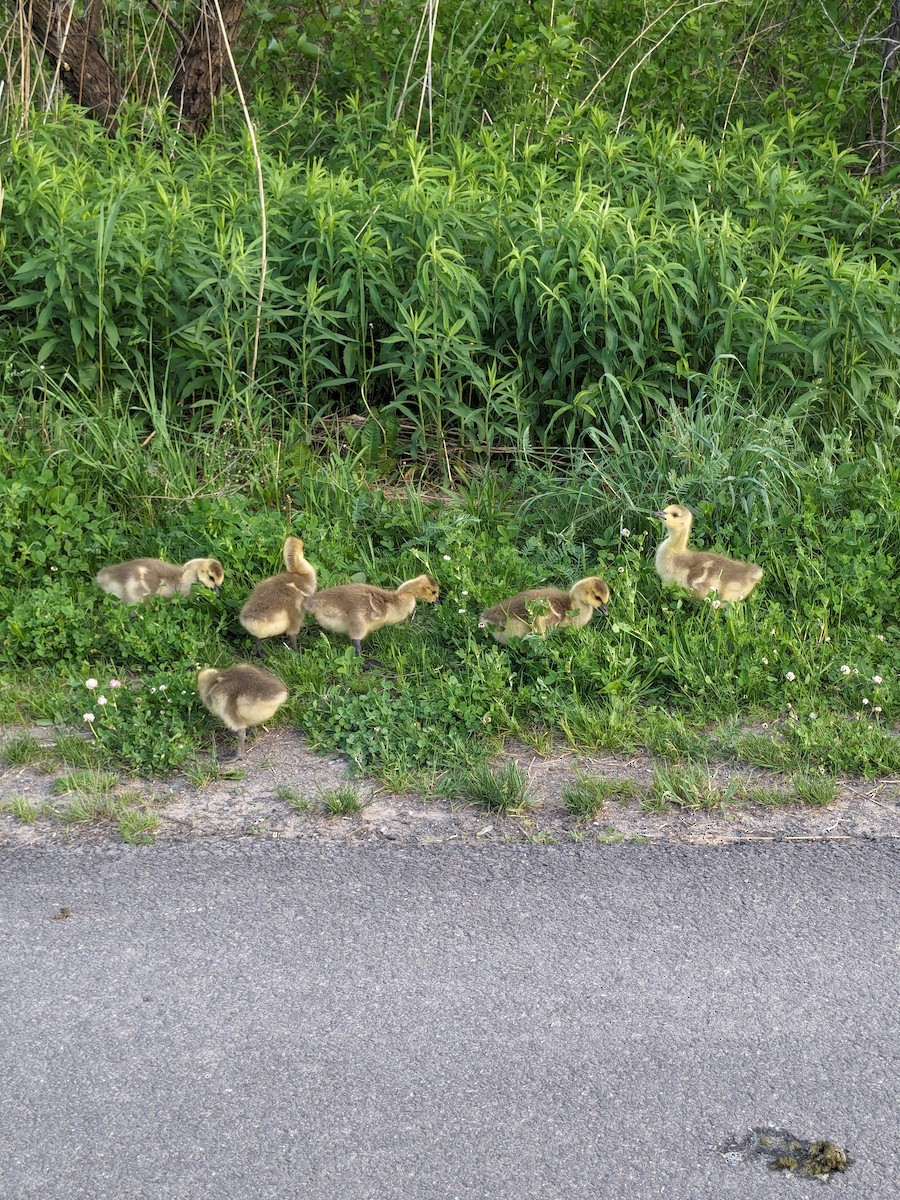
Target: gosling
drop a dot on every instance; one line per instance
(541, 609)
(134, 581)
(275, 606)
(357, 609)
(699, 571)
(241, 696)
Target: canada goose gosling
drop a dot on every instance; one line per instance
(139, 578)
(275, 606)
(241, 696)
(357, 609)
(539, 610)
(700, 571)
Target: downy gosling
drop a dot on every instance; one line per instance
(357, 609)
(140, 578)
(700, 571)
(541, 609)
(241, 696)
(275, 606)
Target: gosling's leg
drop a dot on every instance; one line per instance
(292, 638)
(357, 646)
(241, 735)
(259, 649)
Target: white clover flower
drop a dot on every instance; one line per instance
(153, 691)
(717, 603)
(877, 679)
(91, 684)
(462, 610)
(88, 717)
(880, 636)
(765, 662)
(828, 639)
(877, 708)
(845, 670)
(790, 676)
(115, 683)
(621, 570)
(101, 699)
(812, 716)
(465, 593)
(162, 687)
(625, 532)
(446, 558)
(865, 700)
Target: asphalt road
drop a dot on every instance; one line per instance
(368, 1021)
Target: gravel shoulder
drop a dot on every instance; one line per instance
(279, 763)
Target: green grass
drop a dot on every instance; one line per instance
(343, 801)
(85, 809)
(137, 828)
(21, 808)
(85, 783)
(502, 790)
(813, 790)
(297, 801)
(202, 774)
(689, 785)
(24, 751)
(588, 795)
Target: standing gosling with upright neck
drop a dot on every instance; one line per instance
(241, 696)
(140, 578)
(539, 610)
(275, 606)
(700, 571)
(358, 609)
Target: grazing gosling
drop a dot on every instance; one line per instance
(356, 609)
(550, 608)
(134, 581)
(699, 571)
(241, 696)
(275, 606)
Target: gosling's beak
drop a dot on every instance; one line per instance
(217, 590)
(604, 609)
(661, 515)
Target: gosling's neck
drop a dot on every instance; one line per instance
(675, 543)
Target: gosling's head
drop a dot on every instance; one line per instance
(293, 546)
(210, 574)
(423, 587)
(676, 516)
(205, 680)
(593, 591)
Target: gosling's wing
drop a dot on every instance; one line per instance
(350, 600)
(555, 604)
(552, 603)
(717, 572)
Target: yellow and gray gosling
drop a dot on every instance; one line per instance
(700, 571)
(539, 610)
(357, 609)
(241, 696)
(275, 606)
(140, 578)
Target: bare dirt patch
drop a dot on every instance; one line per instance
(282, 784)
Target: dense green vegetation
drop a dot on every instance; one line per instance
(488, 351)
